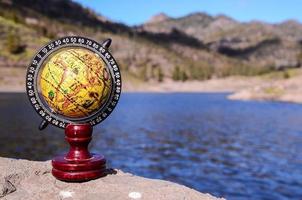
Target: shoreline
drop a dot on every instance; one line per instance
(142, 92)
(225, 85)
(13, 80)
(231, 95)
(269, 87)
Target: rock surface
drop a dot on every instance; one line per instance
(23, 179)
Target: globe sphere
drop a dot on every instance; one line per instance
(75, 82)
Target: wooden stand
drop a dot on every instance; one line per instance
(78, 164)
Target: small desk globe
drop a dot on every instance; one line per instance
(74, 82)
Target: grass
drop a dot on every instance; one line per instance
(29, 38)
(131, 78)
(284, 74)
(275, 91)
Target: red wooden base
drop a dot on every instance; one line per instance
(78, 164)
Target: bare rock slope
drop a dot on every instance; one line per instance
(23, 179)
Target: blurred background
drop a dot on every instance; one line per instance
(212, 89)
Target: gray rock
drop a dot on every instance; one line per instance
(23, 179)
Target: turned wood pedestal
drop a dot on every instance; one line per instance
(78, 164)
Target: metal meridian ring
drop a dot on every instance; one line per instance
(72, 41)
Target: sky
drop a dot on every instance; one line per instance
(135, 12)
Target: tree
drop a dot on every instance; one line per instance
(176, 76)
(143, 73)
(200, 72)
(160, 75)
(286, 74)
(13, 43)
(183, 76)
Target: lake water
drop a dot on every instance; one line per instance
(233, 149)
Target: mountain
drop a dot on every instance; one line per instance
(197, 46)
(198, 25)
(254, 43)
(158, 18)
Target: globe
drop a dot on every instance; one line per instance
(74, 82)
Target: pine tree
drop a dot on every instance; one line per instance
(143, 73)
(184, 76)
(160, 75)
(176, 74)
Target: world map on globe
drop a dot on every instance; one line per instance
(75, 82)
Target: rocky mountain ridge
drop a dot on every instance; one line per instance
(255, 43)
(197, 46)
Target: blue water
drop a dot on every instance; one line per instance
(231, 149)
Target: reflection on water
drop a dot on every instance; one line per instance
(227, 148)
